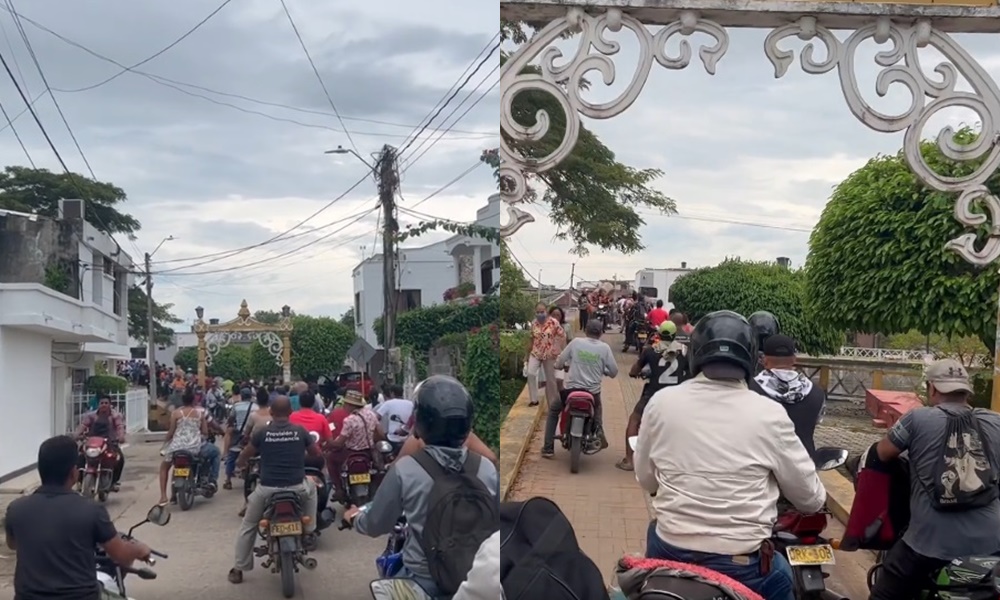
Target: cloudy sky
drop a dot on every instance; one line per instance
(235, 155)
(739, 146)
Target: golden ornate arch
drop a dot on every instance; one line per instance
(277, 338)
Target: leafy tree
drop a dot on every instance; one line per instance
(231, 362)
(319, 345)
(746, 287)
(969, 349)
(262, 364)
(588, 183)
(877, 258)
(516, 307)
(39, 191)
(269, 317)
(347, 319)
(481, 375)
(138, 319)
(187, 358)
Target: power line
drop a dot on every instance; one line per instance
(425, 122)
(449, 184)
(16, 135)
(157, 54)
(450, 98)
(318, 76)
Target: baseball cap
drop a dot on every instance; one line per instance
(246, 394)
(779, 346)
(948, 375)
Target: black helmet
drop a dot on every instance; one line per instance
(764, 326)
(723, 336)
(444, 412)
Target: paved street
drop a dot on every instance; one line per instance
(200, 545)
(609, 512)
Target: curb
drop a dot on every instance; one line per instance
(839, 494)
(515, 437)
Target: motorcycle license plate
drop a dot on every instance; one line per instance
(642, 336)
(283, 529)
(182, 472)
(805, 556)
(359, 478)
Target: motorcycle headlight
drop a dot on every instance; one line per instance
(92, 452)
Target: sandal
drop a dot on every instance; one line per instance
(624, 465)
(235, 576)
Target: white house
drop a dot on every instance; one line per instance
(63, 308)
(424, 274)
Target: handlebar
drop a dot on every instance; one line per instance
(157, 554)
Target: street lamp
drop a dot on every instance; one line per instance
(286, 311)
(200, 312)
(342, 150)
(169, 238)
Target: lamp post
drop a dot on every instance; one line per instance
(286, 343)
(150, 323)
(200, 328)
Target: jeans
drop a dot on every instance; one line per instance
(231, 457)
(775, 585)
(256, 503)
(555, 412)
(211, 454)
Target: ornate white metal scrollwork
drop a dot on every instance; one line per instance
(216, 341)
(272, 342)
(563, 81)
(899, 65)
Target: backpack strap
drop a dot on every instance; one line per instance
(428, 464)
(520, 578)
(471, 464)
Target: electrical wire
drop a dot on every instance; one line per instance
(523, 269)
(17, 65)
(163, 50)
(319, 77)
(230, 253)
(450, 183)
(450, 98)
(424, 121)
(17, 135)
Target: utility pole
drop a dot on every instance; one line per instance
(388, 183)
(150, 330)
(572, 272)
(539, 285)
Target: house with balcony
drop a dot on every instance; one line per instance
(425, 273)
(63, 309)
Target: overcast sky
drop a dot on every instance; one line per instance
(737, 146)
(218, 177)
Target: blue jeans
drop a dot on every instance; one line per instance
(231, 457)
(776, 585)
(213, 456)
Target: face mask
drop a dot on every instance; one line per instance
(540, 316)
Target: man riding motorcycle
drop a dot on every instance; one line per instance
(361, 429)
(764, 326)
(105, 422)
(718, 456)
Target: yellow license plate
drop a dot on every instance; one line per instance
(359, 478)
(283, 529)
(182, 472)
(803, 556)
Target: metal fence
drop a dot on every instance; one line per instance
(132, 404)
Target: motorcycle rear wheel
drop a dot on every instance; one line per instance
(575, 449)
(287, 566)
(185, 495)
(89, 486)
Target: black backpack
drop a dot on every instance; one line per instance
(540, 557)
(964, 475)
(461, 515)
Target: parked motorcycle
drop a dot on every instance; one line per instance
(97, 475)
(111, 576)
(576, 427)
(191, 478)
(282, 533)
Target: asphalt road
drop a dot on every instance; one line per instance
(200, 545)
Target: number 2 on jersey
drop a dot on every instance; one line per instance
(669, 377)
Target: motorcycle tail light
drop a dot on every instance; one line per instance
(181, 461)
(92, 452)
(358, 466)
(284, 509)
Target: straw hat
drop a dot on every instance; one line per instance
(354, 398)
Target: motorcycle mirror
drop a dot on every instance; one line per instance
(158, 515)
(384, 447)
(397, 589)
(828, 458)
(633, 441)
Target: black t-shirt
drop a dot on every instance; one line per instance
(56, 531)
(282, 447)
(804, 414)
(661, 372)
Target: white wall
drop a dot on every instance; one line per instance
(26, 377)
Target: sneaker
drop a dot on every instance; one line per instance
(235, 576)
(548, 453)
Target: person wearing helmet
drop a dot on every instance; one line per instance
(236, 424)
(666, 364)
(764, 326)
(443, 421)
(718, 455)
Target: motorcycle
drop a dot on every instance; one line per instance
(799, 537)
(389, 564)
(282, 534)
(251, 476)
(356, 475)
(97, 476)
(111, 576)
(576, 427)
(604, 315)
(190, 478)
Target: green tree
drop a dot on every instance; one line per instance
(138, 319)
(877, 258)
(262, 364)
(187, 358)
(589, 182)
(231, 362)
(969, 349)
(516, 307)
(481, 375)
(40, 190)
(269, 317)
(746, 287)
(319, 345)
(347, 319)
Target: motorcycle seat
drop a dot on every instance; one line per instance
(284, 496)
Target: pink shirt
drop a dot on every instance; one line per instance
(359, 429)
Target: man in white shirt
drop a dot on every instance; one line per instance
(395, 413)
(483, 580)
(718, 455)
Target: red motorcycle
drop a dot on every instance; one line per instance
(97, 475)
(576, 424)
(356, 475)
